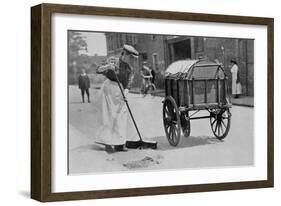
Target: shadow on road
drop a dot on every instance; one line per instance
(163, 144)
(89, 147)
(191, 141)
(75, 102)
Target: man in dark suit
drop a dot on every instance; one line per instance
(84, 85)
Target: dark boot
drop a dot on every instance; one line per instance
(109, 149)
(120, 148)
(133, 144)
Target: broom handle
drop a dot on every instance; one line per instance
(125, 100)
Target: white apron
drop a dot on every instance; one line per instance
(236, 87)
(116, 125)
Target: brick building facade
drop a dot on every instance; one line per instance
(242, 50)
(161, 50)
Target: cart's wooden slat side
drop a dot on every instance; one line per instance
(207, 106)
(171, 87)
(205, 91)
(219, 90)
(186, 96)
(192, 91)
(166, 87)
(185, 92)
(178, 93)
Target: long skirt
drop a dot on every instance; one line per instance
(236, 87)
(116, 126)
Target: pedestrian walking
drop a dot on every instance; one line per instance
(153, 76)
(236, 84)
(116, 125)
(84, 85)
(147, 79)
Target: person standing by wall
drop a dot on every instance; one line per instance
(236, 85)
(84, 85)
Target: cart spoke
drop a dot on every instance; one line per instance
(223, 124)
(173, 134)
(216, 127)
(169, 131)
(176, 132)
(213, 122)
(170, 109)
(167, 121)
(222, 130)
(166, 110)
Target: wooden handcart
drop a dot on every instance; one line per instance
(192, 86)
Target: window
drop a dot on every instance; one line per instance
(199, 44)
(109, 43)
(134, 39)
(120, 39)
(155, 61)
(129, 39)
(117, 40)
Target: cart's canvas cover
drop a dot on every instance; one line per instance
(197, 69)
(176, 69)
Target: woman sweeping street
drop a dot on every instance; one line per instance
(116, 125)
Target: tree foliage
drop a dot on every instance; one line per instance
(77, 43)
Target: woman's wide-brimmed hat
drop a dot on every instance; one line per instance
(131, 50)
(233, 61)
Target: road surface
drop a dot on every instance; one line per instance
(200, 150)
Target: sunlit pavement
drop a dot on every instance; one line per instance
(200, 150)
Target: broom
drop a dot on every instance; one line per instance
(141, 144)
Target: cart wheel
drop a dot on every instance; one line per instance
(220, 122)
(171, 120)
(185, 124)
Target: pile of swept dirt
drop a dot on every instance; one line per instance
(144, 162)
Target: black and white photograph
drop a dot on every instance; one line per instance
(139, 102)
